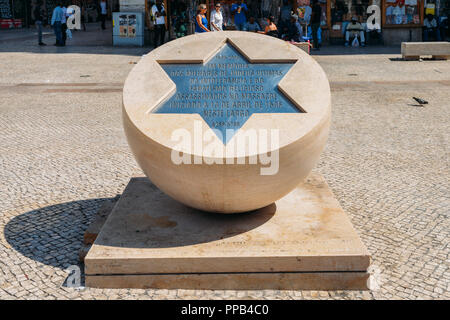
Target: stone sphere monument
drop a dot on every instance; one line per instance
(227, 121)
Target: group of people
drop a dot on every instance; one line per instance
(289, 28)
(59, 20)
(238, 9)
(355, 29)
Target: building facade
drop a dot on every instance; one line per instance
(20, 13)
(396, 20)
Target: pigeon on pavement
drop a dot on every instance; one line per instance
(420, 101)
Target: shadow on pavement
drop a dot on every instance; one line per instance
(341, 50)
(52, 235)
(92, 41)
(97, 41)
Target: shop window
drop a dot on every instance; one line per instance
(5, 9)
(402, 13)
(344, 10)
(304, 10)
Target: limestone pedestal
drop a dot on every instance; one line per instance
(303, 241)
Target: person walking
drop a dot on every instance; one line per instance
(56, 23)
(217, 18)
(315, 23)
(201, 23)
(103, 13)
(159, 12)
(38, 20)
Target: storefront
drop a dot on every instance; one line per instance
(20, 13)
(395, 20)
(89, 8)
(13, 14)
(259, 9)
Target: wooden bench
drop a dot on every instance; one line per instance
(414, 50)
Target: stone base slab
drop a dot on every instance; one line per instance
(303, 241)
(414, 50)
(236, 281)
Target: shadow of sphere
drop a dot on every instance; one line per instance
(52, 235)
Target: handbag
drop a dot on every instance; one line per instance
(355, 42)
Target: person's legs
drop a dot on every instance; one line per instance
(85, 19)
(319, 36)
(103, 19)
(361, 36)
(63, 34)
(56, 32)
(240, 26)
(163, 34)
(425, 35)
(315, 28)
(160, 32)
(57, 29)
(347, 38)
(60, 33)
(156, 35)
(438, 34)
(39, 29)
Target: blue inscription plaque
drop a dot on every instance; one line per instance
(227, 90)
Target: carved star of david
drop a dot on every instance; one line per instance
(227, 90)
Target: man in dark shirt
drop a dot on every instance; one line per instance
(38, 20)
(295, 32)
(315, 22)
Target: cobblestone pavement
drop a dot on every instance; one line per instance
(63, 153)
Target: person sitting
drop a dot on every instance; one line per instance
(295, 31)
(252, 25)
(430, 28)
(271, 28)
(354, 29)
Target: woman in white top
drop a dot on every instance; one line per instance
(217, 19)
